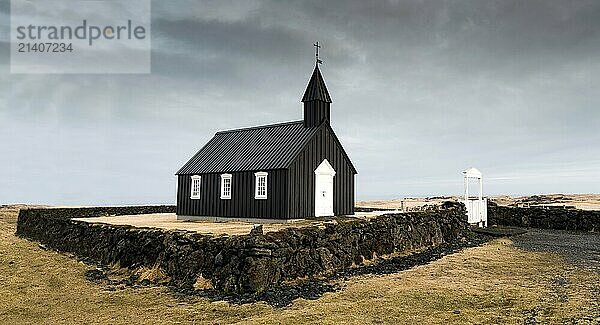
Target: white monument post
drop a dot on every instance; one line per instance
(476, 205)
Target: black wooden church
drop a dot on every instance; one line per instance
(285, 171)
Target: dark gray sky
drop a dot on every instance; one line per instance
(421, 91)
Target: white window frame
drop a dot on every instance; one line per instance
(195, 193)
(226, 178)
(259, 194)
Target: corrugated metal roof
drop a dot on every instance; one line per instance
(257, 148)
(316, 89)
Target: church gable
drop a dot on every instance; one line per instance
(324, 144)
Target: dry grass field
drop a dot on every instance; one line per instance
(493, 284)
(579, 201)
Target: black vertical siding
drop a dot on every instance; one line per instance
(315, 112)
(242, 203)
(290, 192)
(301, 184)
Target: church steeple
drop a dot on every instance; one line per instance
(316, 98)
(316, 89)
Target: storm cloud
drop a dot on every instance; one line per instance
(421, 91)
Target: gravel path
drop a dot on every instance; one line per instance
(579, 248)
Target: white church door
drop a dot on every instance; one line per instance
(324, 189)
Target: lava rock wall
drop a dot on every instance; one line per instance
(248, 263)
(552, 218)
(88, 212)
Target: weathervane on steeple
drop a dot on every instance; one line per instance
(317, 47)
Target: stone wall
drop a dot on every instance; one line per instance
(248, 263)
(368, 209)
(88, 212)
(561, 219)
